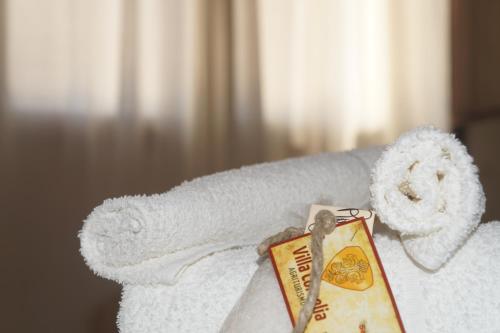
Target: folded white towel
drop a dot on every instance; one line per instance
(149, 240)
(460, 297)
(199, 302)
(426, 187)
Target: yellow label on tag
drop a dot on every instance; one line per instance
(354, 295)
(349, 269)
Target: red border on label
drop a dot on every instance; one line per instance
(386, 282)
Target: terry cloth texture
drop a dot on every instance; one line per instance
(460, 297)
(206, 231)
(152, 239)
(199, 302)
(426, 187)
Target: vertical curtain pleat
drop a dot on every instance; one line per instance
(193, 86)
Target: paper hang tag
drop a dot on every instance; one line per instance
(354, 294)
(342, 214)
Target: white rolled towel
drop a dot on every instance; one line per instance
(425, 187)
(152, 239)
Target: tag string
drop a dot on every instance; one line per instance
(324, 223)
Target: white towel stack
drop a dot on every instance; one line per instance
(185, 256)
(164, 247)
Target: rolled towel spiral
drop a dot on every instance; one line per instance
(153, 239)
(426, 187)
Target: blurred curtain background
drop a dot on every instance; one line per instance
(102, 98)
(214, 84)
